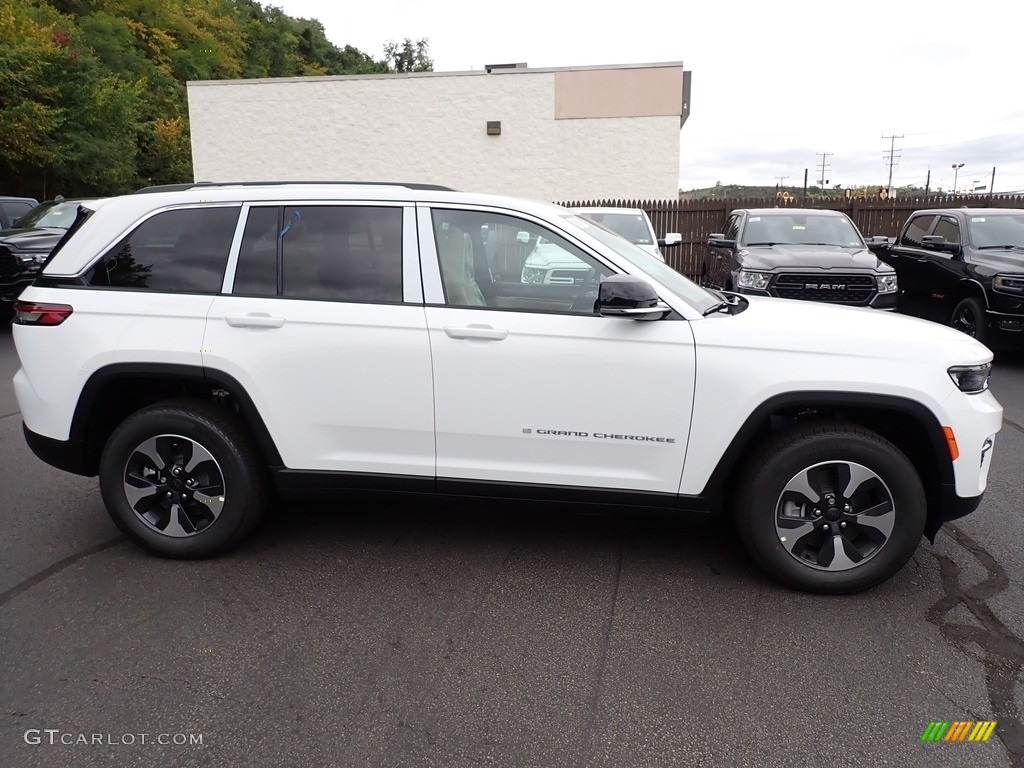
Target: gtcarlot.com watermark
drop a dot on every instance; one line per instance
(54, 736)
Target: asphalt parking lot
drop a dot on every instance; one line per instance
(394, 632)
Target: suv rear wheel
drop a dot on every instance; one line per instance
(831, 508)
(183, 479)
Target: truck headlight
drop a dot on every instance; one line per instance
(533, 275)
(31, 262)
(887, 283)
(971, 379)
(1009, 283)
(755, 280)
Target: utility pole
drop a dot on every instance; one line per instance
(992, 184)
(824, 167)
(928, 183)
(892, 157)
(780, 180)
(805, 186)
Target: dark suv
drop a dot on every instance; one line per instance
(964, 267)
(798, 253)
(24, 248)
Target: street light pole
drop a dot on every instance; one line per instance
(956, 170)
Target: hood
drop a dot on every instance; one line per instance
(812, 257)
(1011, 260)
(43, 240)
(822, 330)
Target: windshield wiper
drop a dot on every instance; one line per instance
(754, 245)
(1001, 247)
(727, 301)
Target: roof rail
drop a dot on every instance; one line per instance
(201, 184)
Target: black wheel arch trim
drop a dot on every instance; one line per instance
(173, 372)
(943, 503)
(973, 287)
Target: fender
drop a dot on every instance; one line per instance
(936, 474)
(173, 376)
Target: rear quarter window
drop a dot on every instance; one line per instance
(183, 251)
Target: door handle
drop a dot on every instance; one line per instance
(476, 332)
(254, 320)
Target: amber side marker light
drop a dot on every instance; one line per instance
(31, 313)
(954, 451)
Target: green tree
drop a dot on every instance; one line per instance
(409, 56)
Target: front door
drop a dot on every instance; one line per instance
(530, 386)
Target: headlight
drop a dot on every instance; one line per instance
(31, 261)
(1009, 283)
(533, 275)
(971, 379)
(756, 280)
(887, 283)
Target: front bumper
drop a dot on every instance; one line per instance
(951, 507)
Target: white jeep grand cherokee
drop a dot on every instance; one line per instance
(200, 347)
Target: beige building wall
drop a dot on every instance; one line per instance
(563, 132)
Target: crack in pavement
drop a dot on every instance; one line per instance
(1013, 424)
(8, 415)
(602, 663)
(1001, 651)
(60, 565)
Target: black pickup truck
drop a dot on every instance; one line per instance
(963, 267)
(797, 253)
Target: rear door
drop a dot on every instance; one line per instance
(322, 322)
(910, 259)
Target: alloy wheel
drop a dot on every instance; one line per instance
(174, 485)
(835, 516)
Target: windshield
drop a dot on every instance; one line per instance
(997, 230)
(49, 215)
(686, 289)
(632, 226)
(801, 229)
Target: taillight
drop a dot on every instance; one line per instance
(31, 313)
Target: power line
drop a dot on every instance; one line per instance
(892, 159)
(824, 167)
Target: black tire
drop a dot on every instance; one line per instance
(801, 549)
(177, 429)
(969, 317)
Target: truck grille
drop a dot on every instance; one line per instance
(567, 276)
(838, 289)
(9, 264)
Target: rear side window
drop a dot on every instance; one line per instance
(182, 251)
(916, 229)
(329, 252)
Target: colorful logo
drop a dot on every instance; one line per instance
(958, 730)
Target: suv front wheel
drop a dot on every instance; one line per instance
(182, 478)
(831, 508)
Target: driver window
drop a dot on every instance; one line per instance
(948, 228)
(493, 261)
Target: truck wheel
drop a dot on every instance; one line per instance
(969, 317)
(830, 508)
(183, 479)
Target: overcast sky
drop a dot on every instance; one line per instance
(775, 83)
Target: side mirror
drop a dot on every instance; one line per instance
(939, 243)
(717, 240)
(630, 297)
(670, 239)
(878, 243)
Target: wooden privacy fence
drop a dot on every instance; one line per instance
(696, 219)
